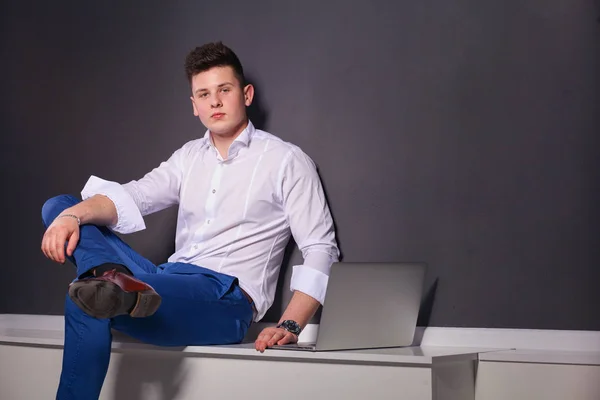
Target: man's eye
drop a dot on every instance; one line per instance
(203, 95)
(225, 90)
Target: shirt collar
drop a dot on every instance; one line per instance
(244, 137)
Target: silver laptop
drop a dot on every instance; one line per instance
(368, 305)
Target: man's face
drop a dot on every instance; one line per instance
(220, 102)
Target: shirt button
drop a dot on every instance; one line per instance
(214, 191)
(208, 222)
(195, 247)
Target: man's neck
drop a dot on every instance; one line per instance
(223, 142)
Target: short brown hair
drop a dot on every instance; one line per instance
(213, 55)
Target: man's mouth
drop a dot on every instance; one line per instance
(217, 115)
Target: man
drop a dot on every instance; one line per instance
(241, 193)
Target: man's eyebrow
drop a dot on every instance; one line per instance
(221, 85)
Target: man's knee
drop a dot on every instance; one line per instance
(55, 205)
(75, 316)
(70, 307)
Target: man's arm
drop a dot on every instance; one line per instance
(157, 190)
(312, 228)
(119, 207)
(300, 309)
(97, 210)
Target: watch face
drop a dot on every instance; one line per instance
(291, 326)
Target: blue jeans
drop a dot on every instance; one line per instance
(199, 307)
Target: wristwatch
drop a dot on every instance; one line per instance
(291, 326)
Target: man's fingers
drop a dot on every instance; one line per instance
(266, 334)
(260, 342)
(264, 338)
(44, 245)
(289, 338)
(56, 246)
(275, 338)
(59, 247)
(60, 240)
(271, 336)
(73, 240)
(260, 345)
(51, 250)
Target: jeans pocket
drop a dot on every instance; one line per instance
(223, 283)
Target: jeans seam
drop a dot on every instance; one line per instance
(74, 359)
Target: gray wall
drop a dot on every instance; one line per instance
(459, 133)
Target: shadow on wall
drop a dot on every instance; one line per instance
(257, 112)
(427, 305)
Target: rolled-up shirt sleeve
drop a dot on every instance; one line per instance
(311, 224)
(157, 190)
(129, 218)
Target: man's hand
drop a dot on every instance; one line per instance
(63, 229)
(300, 309)
(271, 336)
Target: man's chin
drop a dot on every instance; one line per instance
(218, 127)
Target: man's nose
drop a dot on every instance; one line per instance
(215, 101)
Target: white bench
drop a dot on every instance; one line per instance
(445, 363)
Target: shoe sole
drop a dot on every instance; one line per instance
(102, 299)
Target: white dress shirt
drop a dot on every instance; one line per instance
(236, 214)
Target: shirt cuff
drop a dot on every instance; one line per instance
(309, 281)
(129, 218)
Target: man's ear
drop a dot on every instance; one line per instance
(194, 107)
(248, 94)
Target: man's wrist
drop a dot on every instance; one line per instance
(69, 215)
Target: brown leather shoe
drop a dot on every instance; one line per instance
(104, 296)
